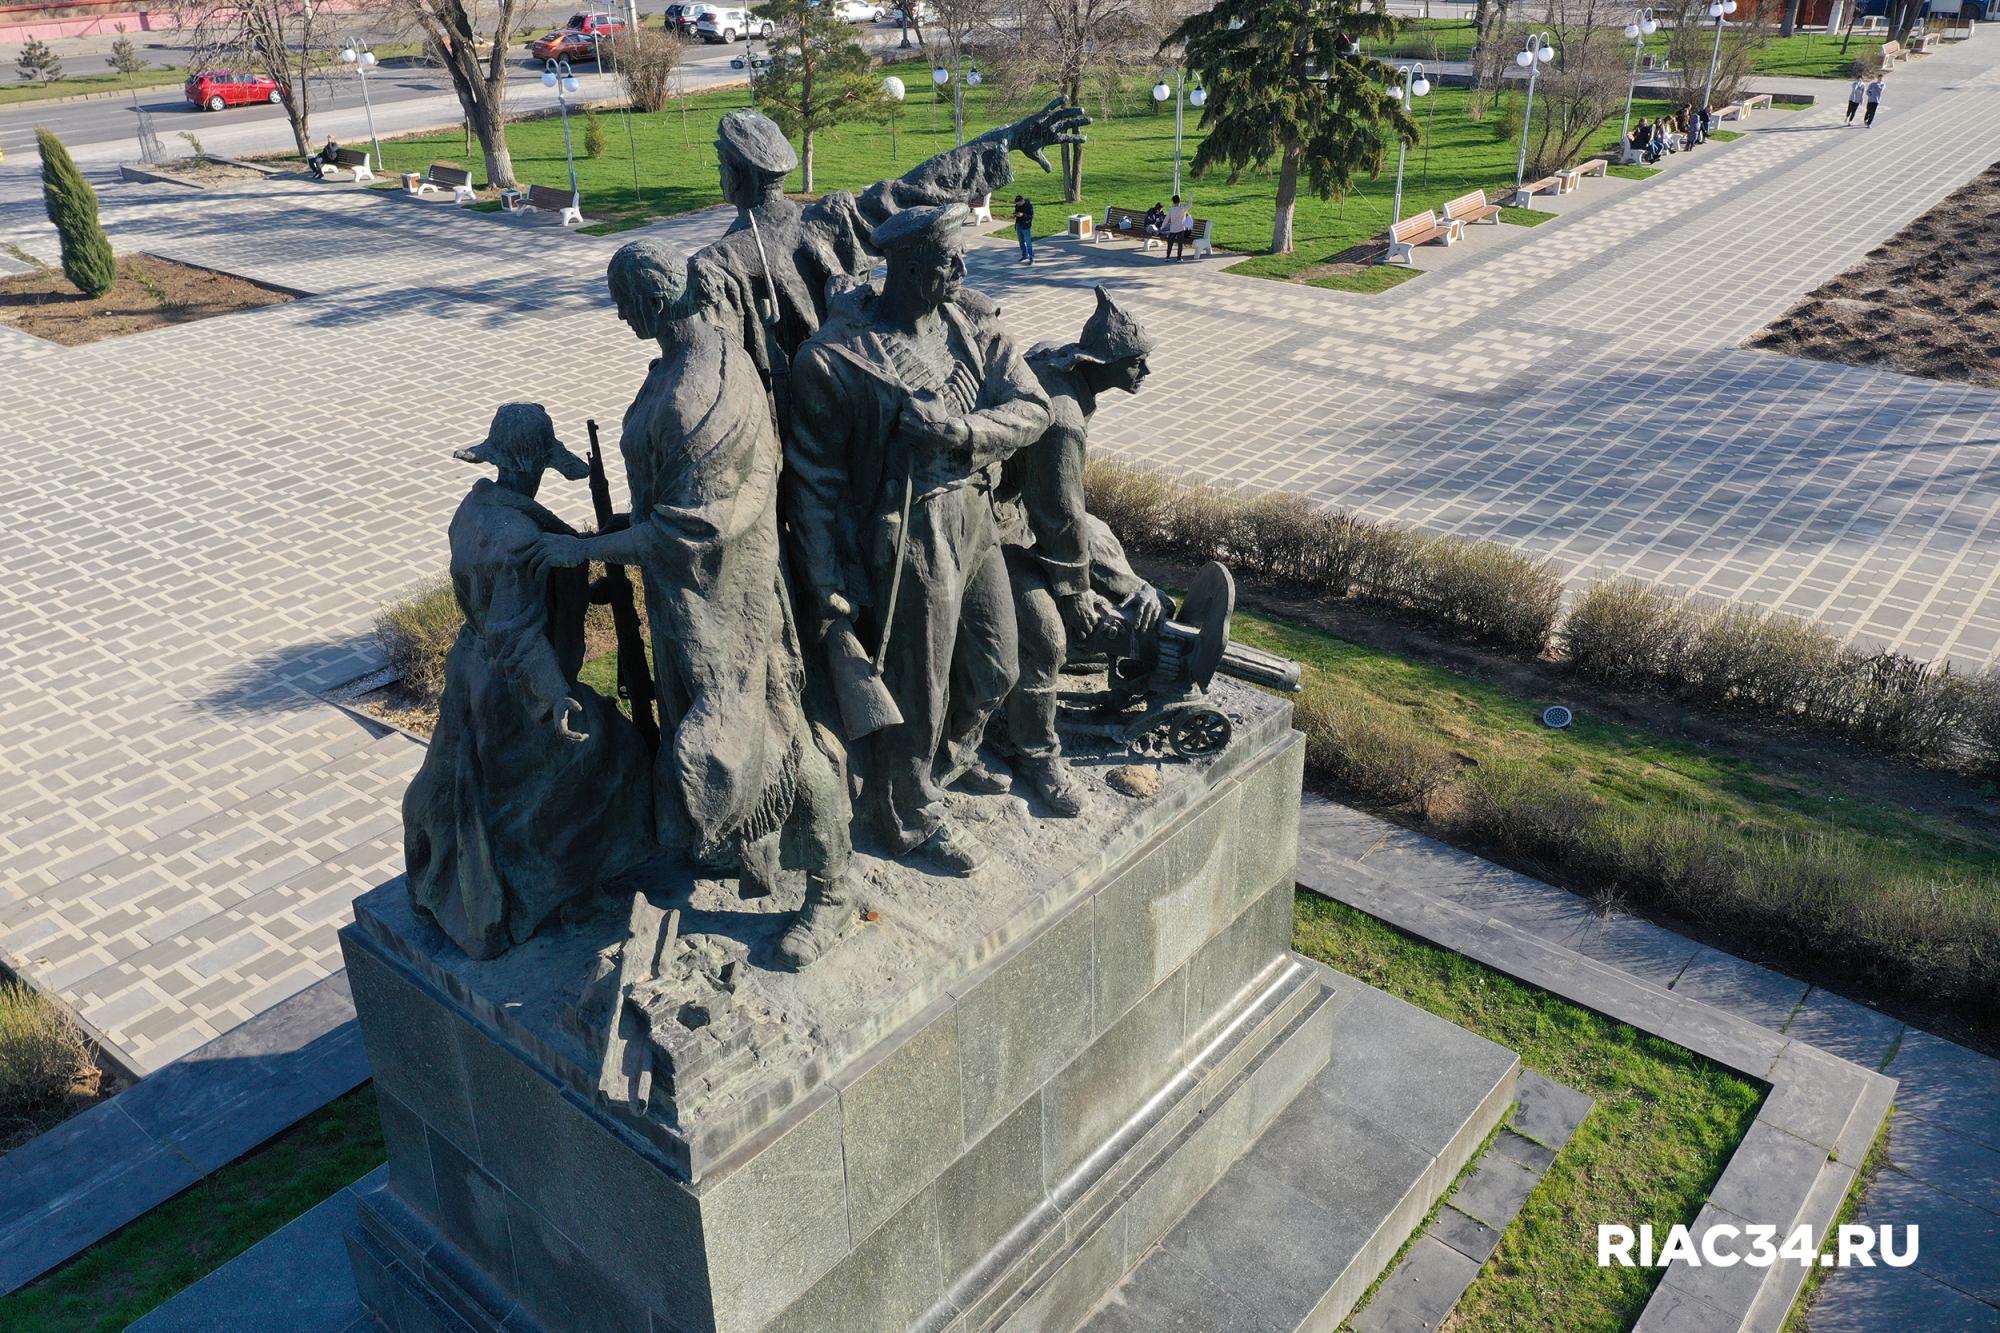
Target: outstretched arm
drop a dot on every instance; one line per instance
(979, 167)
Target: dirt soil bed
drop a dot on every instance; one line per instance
(1927, 303)
(206, 171)
(150, 293)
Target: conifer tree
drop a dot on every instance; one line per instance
(818, 76)
(1287, 81)
(72, 207)
(39, 61)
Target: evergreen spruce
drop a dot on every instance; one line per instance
(593, 133)
(1286, 80)
(72, 205)
(39, 61)
(818, 76)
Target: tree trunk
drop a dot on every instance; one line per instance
(489, 121)
(1073, 153)
(1791, 23)
(806, 162)
(1288, 196)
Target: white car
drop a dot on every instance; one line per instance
(854, 11)
(728, 25)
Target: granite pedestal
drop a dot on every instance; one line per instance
(1030, 1073)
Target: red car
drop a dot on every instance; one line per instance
(599, 22)
(215, 89)
(569, 44)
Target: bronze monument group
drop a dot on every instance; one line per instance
(857, 514)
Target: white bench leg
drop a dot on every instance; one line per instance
(572, 215)
(363, 173)
(1402, 250)
(462, 194)
(1202, 247)
(422, 188)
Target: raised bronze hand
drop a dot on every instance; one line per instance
(1056, 123)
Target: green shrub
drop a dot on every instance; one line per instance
(1380, 756)
(72, 208)
(43, 1055)
(416, 633)
(593, 133)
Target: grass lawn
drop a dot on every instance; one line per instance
(138, 1267)
(72, 84)
(1639, 772)
(1806, 55)
(1129, 161)
(1665, 1124)
(1631, 171)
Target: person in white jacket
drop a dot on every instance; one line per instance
(1854, 96)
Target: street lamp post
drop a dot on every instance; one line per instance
(1535, 53)
(892, 89)
(358, 55)
(1197, 97)
(1411, 84)
(1642, 26)
(1719, 10)
(970, 78)
(556, 75)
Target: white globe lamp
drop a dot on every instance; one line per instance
(892, 88)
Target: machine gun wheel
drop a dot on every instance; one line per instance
(1200, 732)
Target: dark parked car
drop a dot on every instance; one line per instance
(680, 16)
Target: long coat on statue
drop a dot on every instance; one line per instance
(507, 820)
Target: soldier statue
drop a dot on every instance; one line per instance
(1062, 562)
(739, 766)
(535, 790)
(903, 408)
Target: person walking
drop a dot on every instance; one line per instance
(1024, 227)
(1180, 228)
(1874, 101)
(1855, 93)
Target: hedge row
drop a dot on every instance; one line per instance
(1825, 895)
(1619, 633)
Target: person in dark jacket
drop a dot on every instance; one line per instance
(1024, 227)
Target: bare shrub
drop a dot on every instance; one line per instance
(647, 60)
(1625, 633)
(1489, 592)
(43, 1055)
(1379, 755)
(1524, 808)
(1984, 720)
(416, 633)
(1133, 501)
(1910, 708)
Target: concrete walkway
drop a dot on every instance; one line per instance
(213, 513)
(1943, 1172)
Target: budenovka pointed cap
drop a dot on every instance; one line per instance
(1111, 335)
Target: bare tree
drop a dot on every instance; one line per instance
(1585, 85)
(1068, 44)
(1691, 45)
(279, 39)
(469, 39)
(648, 60)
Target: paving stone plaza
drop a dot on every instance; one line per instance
(204, 520)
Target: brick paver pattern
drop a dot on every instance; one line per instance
(206, 519)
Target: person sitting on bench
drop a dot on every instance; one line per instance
(323, 159)
(1156, 220)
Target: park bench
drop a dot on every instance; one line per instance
(1201, 245)
(1129, 223)
(444, 176)
(1572, 177)
(354, 160)
(1418, 230)
(568, 206)
(1529, 189)
(1472, 208)
(982, 210)
(1925, 44)
(1892, 52)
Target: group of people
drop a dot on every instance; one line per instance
(1173, 225)
(1865, 91)
(1652, 140)
(857, 515)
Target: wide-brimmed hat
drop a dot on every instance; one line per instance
(523, 439)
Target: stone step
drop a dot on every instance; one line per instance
(1299, 1227)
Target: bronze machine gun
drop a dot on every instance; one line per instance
(1157, 682)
